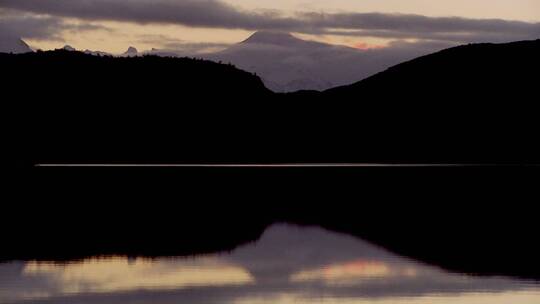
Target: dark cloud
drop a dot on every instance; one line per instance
(450, 37)
(216, 14)
(400, 26)
(206, 13)
(30, 26)
(415, 23)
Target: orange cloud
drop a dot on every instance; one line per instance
(366, 46)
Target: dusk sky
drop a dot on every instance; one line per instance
(113, 25)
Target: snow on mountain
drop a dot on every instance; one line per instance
(131, 51)
(96, 53)
(165, 53)
(286, 63)
(273, 38)
(13, 45)
(68, 47)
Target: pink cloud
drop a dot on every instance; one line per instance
(366, 46)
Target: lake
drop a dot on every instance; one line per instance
(288, 264)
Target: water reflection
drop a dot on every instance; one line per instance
(119, 274)
(289, 264)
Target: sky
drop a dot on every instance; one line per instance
(206, 25)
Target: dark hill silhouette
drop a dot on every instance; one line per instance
(474, 70)
(68, 107)
(475, 102)
(80, 107)
(471, 104)
(78, 69)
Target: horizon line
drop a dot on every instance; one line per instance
(277, 165)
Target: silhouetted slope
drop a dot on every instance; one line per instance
(287, 63)
(11, 44)
(468, 104)
(70, 107)
(77, 107)
(153, 75)
(474, 102)
(456, 75)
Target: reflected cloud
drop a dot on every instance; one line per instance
(346, 273)
(121, 274)
(499, 298)
(289, 264)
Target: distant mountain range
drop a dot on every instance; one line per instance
(464, 104)
(286, 63)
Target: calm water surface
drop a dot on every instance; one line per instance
(289, 264)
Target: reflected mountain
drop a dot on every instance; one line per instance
(288, 264)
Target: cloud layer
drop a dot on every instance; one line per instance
(217, 14)
(38, 27)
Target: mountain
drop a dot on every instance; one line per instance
(163, 53)
(13, 45)
(275, 38)
(480, 70)
(287, 63)
(468, 104)
(97, 53)
(115, 91)
(69, 48)
(131, 51)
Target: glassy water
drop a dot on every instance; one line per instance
(289, 264)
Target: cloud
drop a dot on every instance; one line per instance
(217, 14)
(457, 37)
(180, 47)
(361, 45)
(30, 26)
(205, 13)
(414, 23)
(38, 27)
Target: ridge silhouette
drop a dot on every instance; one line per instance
(469, 104)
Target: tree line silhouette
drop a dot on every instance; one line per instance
(471, 104)
(467, 104)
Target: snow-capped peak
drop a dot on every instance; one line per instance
(131, 51)
(68, 47)
(271, 37)
(9, 44)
